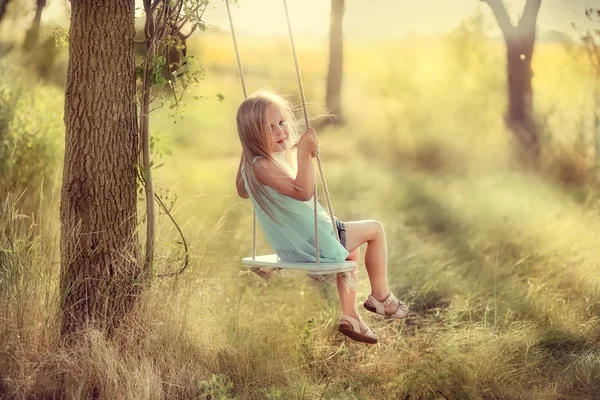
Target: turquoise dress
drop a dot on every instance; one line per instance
(292, 232)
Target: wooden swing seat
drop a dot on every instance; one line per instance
(273, 261)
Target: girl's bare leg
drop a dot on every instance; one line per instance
(348, 298)
(372, 233)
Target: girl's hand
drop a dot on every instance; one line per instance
(308, 143)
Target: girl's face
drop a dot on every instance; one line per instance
(278, 129)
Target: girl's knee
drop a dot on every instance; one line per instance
(377, 228)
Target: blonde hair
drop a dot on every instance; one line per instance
(255, 137)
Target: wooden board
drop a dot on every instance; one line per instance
(273, 261)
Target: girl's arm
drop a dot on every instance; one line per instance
(302, 186)
(299, 188)
(239, 182)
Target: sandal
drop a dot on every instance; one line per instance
(390, 307)
(356, 329)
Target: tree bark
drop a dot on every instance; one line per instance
(519, 116)
(520, 41)
(336, 61)
(100, 270)
(33, 33)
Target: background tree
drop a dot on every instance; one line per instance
(520, 41)
(33, 33)
(3, 8)
(336, 61)
(591, 41)
(100, 272)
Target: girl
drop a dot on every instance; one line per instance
(281, 189)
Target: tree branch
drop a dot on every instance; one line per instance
(183, 241)
(186, 37)
(177, 14)
(594, 51)
(186, 260)
(508, 29)
(161, 13)
(155, 5)
(187, 19)
(529, 17)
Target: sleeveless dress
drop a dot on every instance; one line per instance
(292, 231)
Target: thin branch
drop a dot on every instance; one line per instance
(594, 51)
(161, 31)
(173, 203)
(154, 98)
(187, 19)
(162, 11)
(183, 241)
(155, 5)
(155, 108)
(202, 13)
(186, 37)
(172, 80)
(178, 13)
(178, 29)
(171, 14)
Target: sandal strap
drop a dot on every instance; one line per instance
(356, 322)
(380, 305)
(351, 321)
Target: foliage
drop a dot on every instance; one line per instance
(29, 143)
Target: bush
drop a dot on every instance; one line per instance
(30, 128)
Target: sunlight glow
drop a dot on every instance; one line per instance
(385, 18)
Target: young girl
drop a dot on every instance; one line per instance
(281, 189)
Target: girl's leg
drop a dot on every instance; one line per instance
(348, 298)
(372, 233)
(351, 324)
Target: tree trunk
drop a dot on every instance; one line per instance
(3, 6)
(336, 60)
(147, 168)
(520, 41)
(100, 271)
(597, 114)
(33, 33)
(519, 115)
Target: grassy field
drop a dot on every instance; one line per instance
(499, 266)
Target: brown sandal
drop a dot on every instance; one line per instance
(390, 307)
(356, 329)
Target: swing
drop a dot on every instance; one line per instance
(273, 260)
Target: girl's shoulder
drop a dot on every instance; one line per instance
(263, 165)
(270, 172)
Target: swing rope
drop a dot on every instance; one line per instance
(241, 72)
(307, 123)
